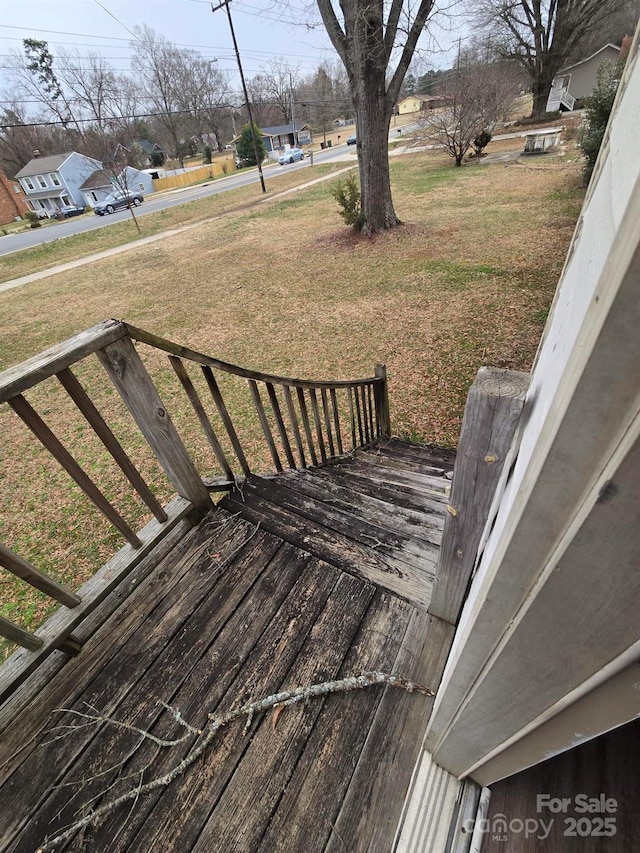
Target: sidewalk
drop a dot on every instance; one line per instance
(154, 238)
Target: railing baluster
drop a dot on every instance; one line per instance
(294, 424)
(356, 394)
(271, 391)
(226, 419)
(336, 420)
(198, 408)
(365, 416)
(381, 398)
(35, 578)
(264, 423)
(327, 421)
(32, 419)
(18, 635)
(370, 411)
(307, 426)
(316, 420)
(85, 405)
(352, 419)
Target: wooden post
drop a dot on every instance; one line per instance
(381, 398)
(133, 383)
(489, 424)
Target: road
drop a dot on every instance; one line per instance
(69, 227)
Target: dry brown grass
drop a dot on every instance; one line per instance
(466, 281)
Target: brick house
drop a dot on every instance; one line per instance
(12, 201)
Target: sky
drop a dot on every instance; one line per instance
(265, 29)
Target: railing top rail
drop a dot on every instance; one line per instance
(34, 370)
(185, 352)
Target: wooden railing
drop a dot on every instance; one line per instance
(301, 422)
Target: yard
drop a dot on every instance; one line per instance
(285, 288)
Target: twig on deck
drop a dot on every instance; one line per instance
(206, 736)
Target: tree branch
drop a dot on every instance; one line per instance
(205, 737)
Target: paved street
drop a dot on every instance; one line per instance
(37, 236)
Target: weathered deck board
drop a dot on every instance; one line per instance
(399, 495)
(365, 561)
(424, 525)
(392, 544)
(235, 613)
(324, 770)
(109, 685)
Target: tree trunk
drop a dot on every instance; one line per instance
(372, 126)
(540, 90)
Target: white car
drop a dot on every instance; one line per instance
(291, 156)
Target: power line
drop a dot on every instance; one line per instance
(124, 27)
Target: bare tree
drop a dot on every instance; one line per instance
(324, 96)
(475, 96)
(376, 42)
(542, 34)
(155, 63)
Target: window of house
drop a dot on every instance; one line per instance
(29, 183)
(55, 180)
(65, 200)
(94, 196)
(42, 182)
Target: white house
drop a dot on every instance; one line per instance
(52, 182)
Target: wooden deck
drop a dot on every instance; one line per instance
(334, 580)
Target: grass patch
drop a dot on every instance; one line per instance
(285, 288)
(67, 249)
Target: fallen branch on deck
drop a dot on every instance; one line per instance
(205, 736)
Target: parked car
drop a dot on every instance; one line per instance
(68, 210)
(244, 162)
(291, 156)
(351, 140)
(115, 201)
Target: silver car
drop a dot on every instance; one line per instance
(291, 156)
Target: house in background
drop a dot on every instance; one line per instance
(152, 154)
(576, 82)
(96, 188)
(419, 104)
(12, 201)
(101, 183)
(50, 183)
(277, 138)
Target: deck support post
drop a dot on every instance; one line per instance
(491, 415)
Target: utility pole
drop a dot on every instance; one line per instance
(225, 3)
(293, 113)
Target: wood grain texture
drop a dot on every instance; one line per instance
(380, 564)
(59, 626)
(52, 443)
(491, 415)
(198, 408)
(15, 634)
(214, 390)
(19, 567)
(23, 376)
(264, 424)
(130, 378)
